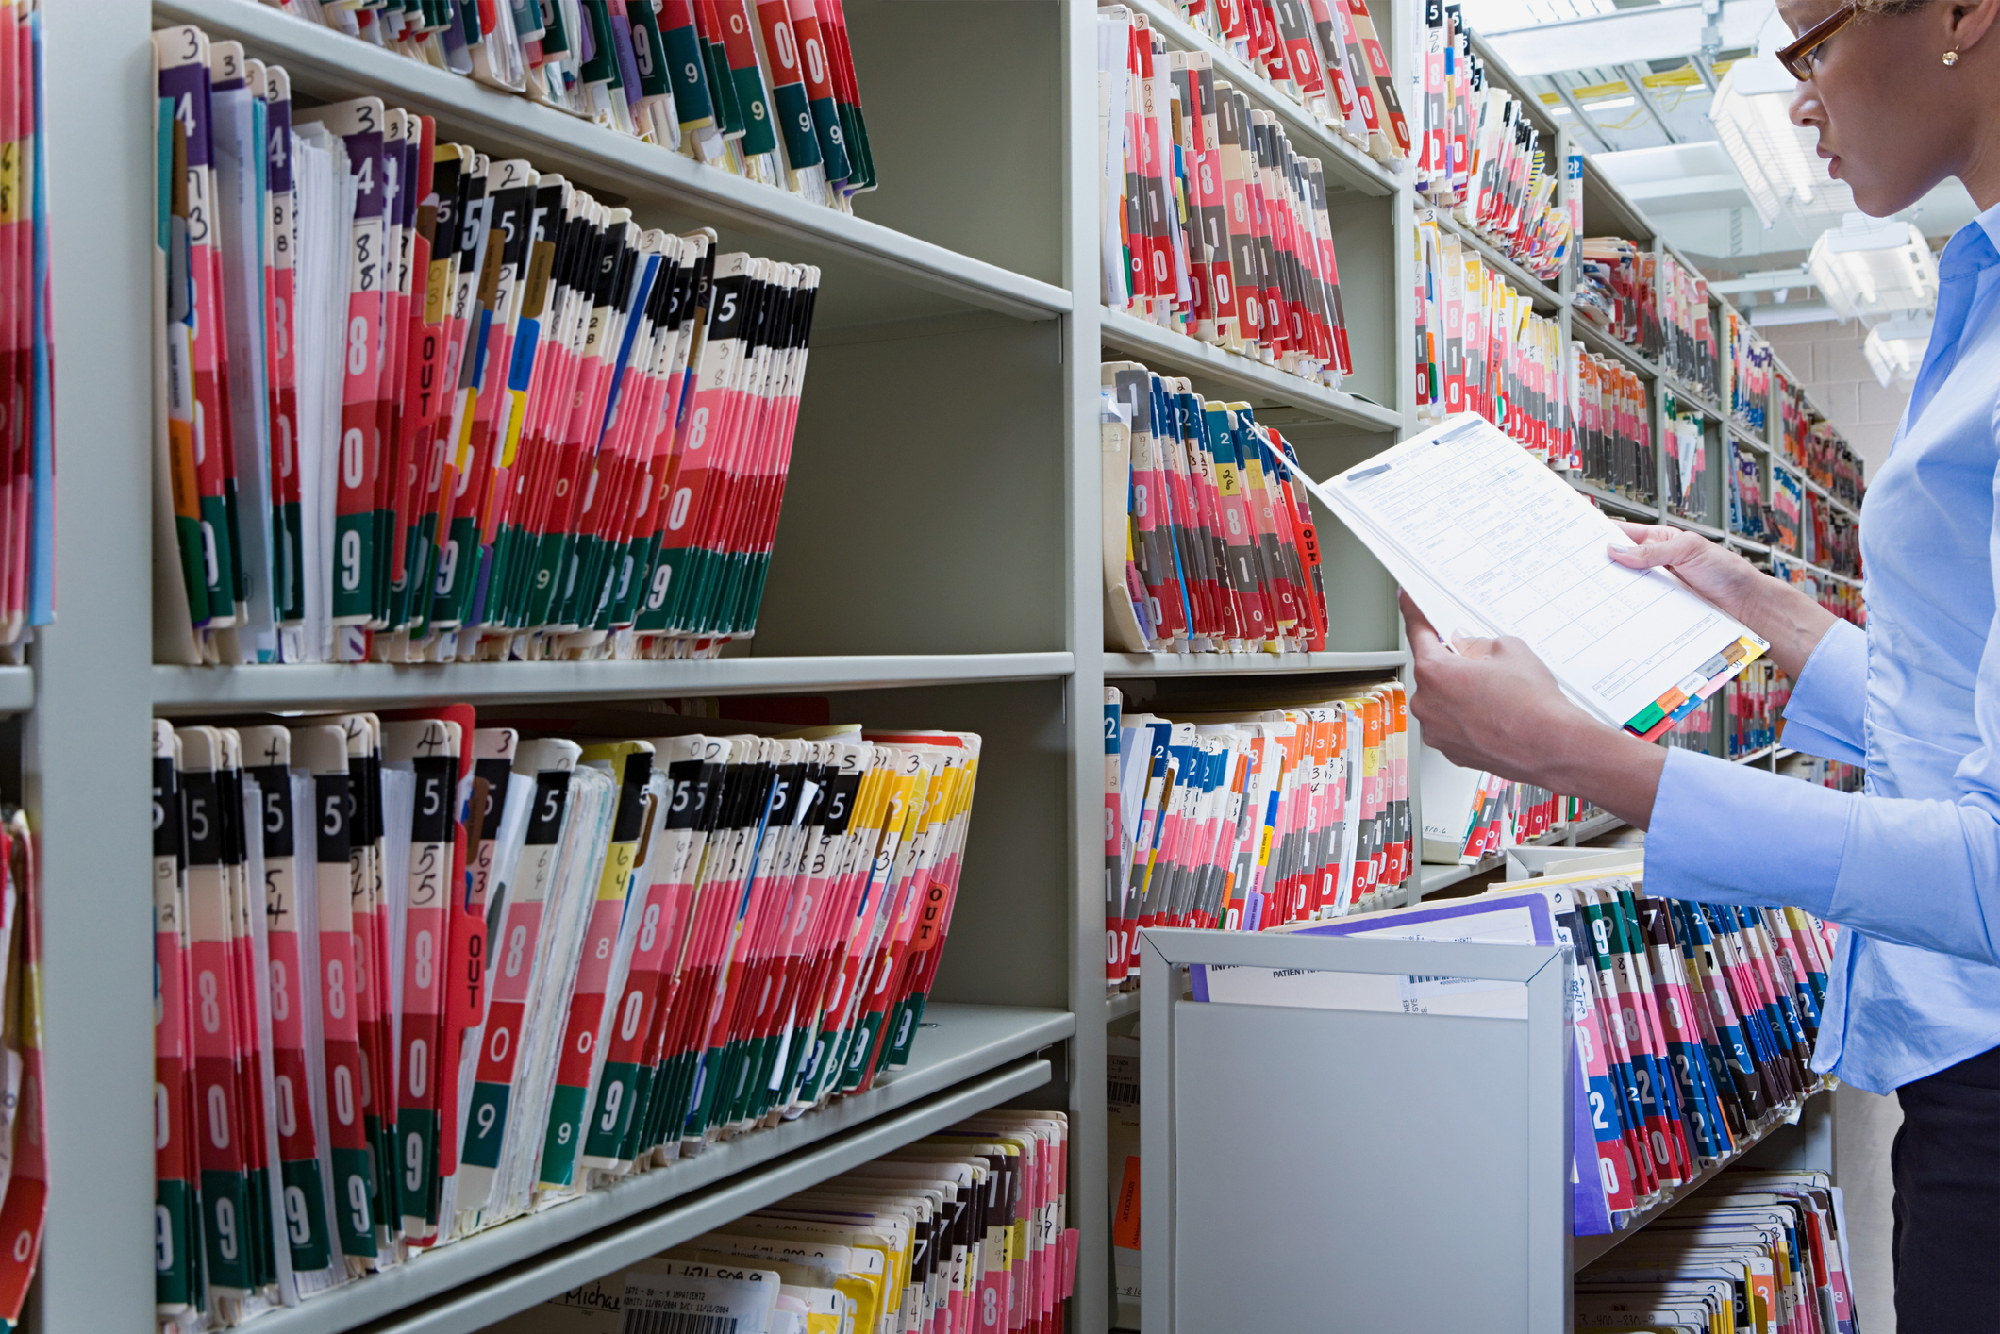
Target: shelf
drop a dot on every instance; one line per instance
(1120, 1005)
(1694, 526)
(1587, 1250)
(1783, 753)
(1604, 345)
(1746, 439)
(17, 689)
(1749, 544)
(1165, 350)
(1433, 876)
(1636, 508)
(1127, 666)
(1345, 164)
(1546, 298)
(322, 61)
(1824, 494)
(1761, 752)
(220, 689)
(1821, 572)
(967, 1059)
(1600, 194)
(1690, 395)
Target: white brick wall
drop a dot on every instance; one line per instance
(1829, 358)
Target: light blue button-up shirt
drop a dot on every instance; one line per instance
(1911, 866)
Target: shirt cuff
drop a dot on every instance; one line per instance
(1823, 716)
(1726, 833)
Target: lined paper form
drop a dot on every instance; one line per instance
(1487, 540)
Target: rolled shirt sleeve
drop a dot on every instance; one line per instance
(1823, 717)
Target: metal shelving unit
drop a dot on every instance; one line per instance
(964, 612)
(1372, 211)
(981, 606)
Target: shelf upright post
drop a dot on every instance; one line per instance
(1657, 410)
(1082, 352)
(1405, 25)
(86, 750)
(1774, 436)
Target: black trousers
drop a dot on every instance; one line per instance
(1946, 1162)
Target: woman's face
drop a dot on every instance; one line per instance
(1879, 99)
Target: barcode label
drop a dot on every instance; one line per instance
(1121, 1092)
(677, 1322)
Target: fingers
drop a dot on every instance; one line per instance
(1424, 639)
(1658, 547)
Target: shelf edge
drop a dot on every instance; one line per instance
(187, 689)
(17, 689)
(1130, 666)
(1179, 351)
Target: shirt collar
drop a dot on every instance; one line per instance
(1989, 222)
(1973, 247)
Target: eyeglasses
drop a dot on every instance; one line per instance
(1797, 58)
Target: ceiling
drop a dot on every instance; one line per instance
(1635, 78)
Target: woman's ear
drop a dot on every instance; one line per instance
(1970, 21)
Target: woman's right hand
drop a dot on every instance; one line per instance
(1792, 623)
(1709, 568)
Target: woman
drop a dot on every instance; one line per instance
(1903, 93)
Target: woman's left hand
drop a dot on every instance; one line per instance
(1495, 707)
(1492, 705)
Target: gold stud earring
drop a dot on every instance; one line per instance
(1951, 57)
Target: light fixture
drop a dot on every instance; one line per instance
(1777, 160)
(1895, 349)
(1611, 104)
(1874, 270)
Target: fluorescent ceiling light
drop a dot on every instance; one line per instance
(1895, 350)
(1872, 270)
(1610, 104)
(1530, 42)
(1777, 160)
(1810, 312)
